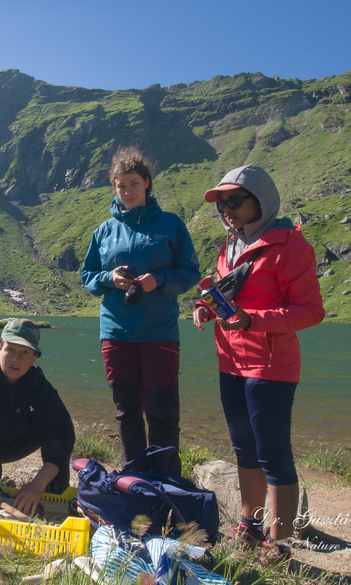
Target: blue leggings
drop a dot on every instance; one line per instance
(258, 414)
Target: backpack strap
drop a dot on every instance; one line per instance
(232, 283)
(152, 456)
(255, 254)
(126, 483)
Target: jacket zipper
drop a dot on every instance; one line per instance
(131, 247)
(269, 347)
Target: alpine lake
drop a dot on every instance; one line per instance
(72, 362)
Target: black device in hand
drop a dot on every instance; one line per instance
(133, 294)
(123, 272)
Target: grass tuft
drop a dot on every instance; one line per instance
(334, 461)
(94, 446)
(190, 456)
(41, 324)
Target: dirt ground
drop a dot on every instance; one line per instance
(326, 544)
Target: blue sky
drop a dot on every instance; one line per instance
(114, 44)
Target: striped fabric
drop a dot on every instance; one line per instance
(120, 566)
(116, 564)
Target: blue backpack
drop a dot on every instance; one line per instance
(116, 498)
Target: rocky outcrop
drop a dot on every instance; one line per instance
(67, 261)
(340, 251)
(222, 478)
(54, 138)
(279, 136)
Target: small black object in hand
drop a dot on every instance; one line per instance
(133, 294)
(125, 273)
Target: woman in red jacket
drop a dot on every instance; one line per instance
(258, 350)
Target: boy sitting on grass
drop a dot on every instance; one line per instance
(32, 415)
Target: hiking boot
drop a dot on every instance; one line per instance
(274, 553)
(247, 537)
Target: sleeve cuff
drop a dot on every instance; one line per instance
(209, 314)
(107, 279)
(159, 277)
(253, 322)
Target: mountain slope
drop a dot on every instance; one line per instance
(56, 144)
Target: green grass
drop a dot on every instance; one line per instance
(41, 324)
(13, 567)
(240, 567)
(191, 456)
(92, 444)
(334, 461)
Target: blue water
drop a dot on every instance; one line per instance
(72, 362)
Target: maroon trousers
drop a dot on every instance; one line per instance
(144, 379)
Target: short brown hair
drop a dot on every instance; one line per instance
(130, 160)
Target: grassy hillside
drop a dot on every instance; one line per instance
(56, 144)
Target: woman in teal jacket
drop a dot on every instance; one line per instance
(150, 250)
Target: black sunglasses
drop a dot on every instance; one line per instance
(233, 202)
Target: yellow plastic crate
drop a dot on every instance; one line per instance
(69, 494)
(41, 539)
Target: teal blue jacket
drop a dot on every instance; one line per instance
(147, 240)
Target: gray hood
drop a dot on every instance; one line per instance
(259, 183)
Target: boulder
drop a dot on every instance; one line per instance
(341, 251)
(222, 478)
(346, 220)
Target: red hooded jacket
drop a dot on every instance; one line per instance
(282, 296)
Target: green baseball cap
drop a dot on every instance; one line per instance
(23, 332)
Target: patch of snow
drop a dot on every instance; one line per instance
(14, 294)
